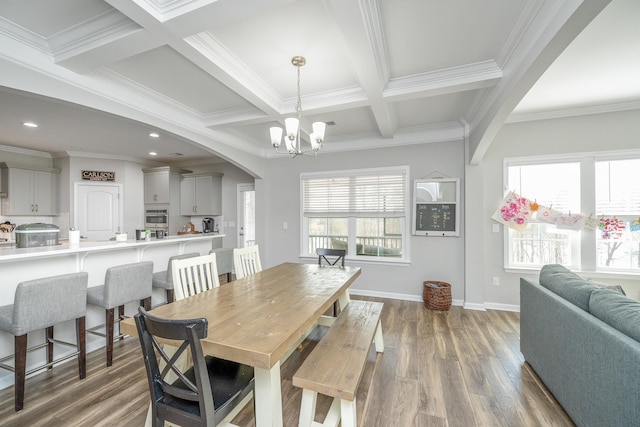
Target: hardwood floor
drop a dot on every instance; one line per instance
(454, 368)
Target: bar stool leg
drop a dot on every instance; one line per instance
(81, 338)
(120, 317)
(110, 318)
(20, 369)
(170, 296)
(49, 346)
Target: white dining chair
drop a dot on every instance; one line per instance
(190, 276)
(194, 275)
(246, 261)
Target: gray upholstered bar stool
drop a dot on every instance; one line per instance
(41, 304)
(224, 261)
(163, 280)
(122, 284)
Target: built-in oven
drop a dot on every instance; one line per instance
(156, 219)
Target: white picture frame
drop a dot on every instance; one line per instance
(436, 203)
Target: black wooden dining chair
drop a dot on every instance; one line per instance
(331, 257)
(334, 256)
(211, 391)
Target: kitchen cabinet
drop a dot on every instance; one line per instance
(201, 194)
(162, 193)
(158, 184)
(29, 190)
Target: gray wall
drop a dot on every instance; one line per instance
(128, 173)
(468, 262)
(432, 258)
(591, 133)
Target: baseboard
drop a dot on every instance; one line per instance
(455, 302)
(403, 297)
(474, 306)
(502, 307)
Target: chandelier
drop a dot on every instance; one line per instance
(292, 127)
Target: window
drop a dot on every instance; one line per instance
(362, 211)
(557, 186)
(602, 188)
(618, 198)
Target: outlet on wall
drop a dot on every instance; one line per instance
(496, 281)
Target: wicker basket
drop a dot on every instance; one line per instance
(436, 295)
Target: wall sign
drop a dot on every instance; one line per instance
(98, 176)
(435, 207)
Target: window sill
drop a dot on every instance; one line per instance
(584, 273)
(382, 260)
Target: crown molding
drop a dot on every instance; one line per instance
(228, 117)
(519, 30)
(375, 33)
(442, 132)
(218, 55)
(23, 36)
(90, 155)
(25, 151)
(134, 88)
(164, 10)
(476, 75)
(95, 31)
(575, 111)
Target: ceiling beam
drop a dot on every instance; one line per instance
(361, 26)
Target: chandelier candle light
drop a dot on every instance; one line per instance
(292, 126)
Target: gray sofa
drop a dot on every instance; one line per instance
(583, 341)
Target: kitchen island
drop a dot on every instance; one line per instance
(20, 264)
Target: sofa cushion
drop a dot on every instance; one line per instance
(567, 284)
(616, 310)
(616, 288)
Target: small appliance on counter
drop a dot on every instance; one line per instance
(35, 235)
(208, 225)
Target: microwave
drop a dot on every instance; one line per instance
(156, 218)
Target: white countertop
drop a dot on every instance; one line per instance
(13, 253)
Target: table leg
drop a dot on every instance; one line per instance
(344, 299)
(268, 395)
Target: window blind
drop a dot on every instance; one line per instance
(359, 195)
(617, 189)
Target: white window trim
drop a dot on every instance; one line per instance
(587, 251)
(406, 258)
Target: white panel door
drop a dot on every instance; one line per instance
(97, 210)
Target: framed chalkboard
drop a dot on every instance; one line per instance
(435, 207)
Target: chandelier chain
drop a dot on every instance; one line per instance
(299, 101)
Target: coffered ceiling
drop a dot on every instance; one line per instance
(212, 76)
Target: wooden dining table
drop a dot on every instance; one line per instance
(259, 319)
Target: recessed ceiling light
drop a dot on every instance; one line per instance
(153, 153)
(154, 135)
(30, 124)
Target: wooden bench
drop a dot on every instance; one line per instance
(336, 364)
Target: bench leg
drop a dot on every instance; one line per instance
(307, 408)
(348, 413)
(333, 416)
(377, 339)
